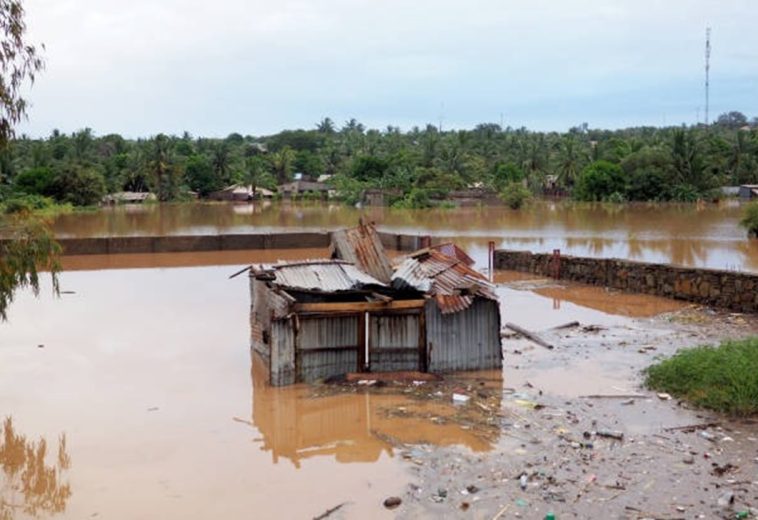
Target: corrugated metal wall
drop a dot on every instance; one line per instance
(327, 346)
(282, 352)
(394, 342)
(466, 340)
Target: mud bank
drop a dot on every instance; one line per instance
(553, 454)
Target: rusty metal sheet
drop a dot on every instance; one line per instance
(363, 247)
(452, 282)
(321, 275)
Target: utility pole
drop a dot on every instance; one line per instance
(707, 71)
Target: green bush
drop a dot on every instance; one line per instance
(26, 204)
(414, 199)
(515, 195)
(750, 219)
(720, 378)
(599, 181)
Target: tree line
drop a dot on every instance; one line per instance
(415, 167)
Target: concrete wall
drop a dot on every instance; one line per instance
(723, 289)
(231, 242)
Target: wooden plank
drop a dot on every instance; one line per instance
(362, 342)
(358, 306)
(529, 335)
(422, 355)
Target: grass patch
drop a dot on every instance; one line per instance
(723, 378)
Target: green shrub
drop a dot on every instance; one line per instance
(750, 219)
(26, 204)
(414, 199)
(685, 193)
(599, 181)
(720, 378)
(515, 195)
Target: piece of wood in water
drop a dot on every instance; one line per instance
(354, 377)
(569, 325)
(529, 335)
(614, 396)
(328, 512)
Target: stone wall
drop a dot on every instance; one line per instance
(723, 289)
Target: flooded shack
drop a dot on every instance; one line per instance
(321, 318)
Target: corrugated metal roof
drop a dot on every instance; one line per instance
(361, 245)
(451, 282)
(321, 275)
(452, 250)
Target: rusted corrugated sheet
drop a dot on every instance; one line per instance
(394, 342)
(327, 346)
(453, 251)
(328, 332)
(320, 275)
(282, 352)
(449, 280)
(468, 340)
(361, 246)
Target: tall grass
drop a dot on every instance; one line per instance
(723, 378)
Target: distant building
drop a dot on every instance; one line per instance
(749, 191)
(128, 197)
(298, 188)
(240, 193)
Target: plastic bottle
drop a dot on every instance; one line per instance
(550, 516)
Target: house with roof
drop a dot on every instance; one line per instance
(749, 191)
(315, 319)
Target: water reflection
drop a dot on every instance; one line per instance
(31, 486)
(349, 425)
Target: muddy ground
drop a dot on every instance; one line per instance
(548, 421)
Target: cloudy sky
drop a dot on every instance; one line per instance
(147, 66)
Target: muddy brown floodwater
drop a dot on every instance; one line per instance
(134, 395)
(690, 235)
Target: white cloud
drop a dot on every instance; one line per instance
(144, 66)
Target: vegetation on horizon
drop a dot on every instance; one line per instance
(414, 167)
(750, 219)
(718, 378)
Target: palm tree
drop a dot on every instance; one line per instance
(281, 164)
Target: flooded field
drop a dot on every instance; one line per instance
(141, 383)
(690, 235)
(134, 394)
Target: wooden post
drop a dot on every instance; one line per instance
(422, 354)
(362, 342)
(491, 260)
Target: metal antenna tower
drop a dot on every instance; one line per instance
(707, 70)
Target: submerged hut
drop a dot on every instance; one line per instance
(315, 319)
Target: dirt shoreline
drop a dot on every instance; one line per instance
(543, 421)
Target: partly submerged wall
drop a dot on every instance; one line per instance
(724, 289)
(222, 242)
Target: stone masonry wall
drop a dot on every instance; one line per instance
(731, 290)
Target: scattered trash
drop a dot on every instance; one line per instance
(610, 434)
(460, 398)
(153, 409)
(464, 506)
(726, 499)
(472, 489)
(523, 481)
(520, 502)
(40, 346)
(707, 436)
(392, 502)
(664, 396)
